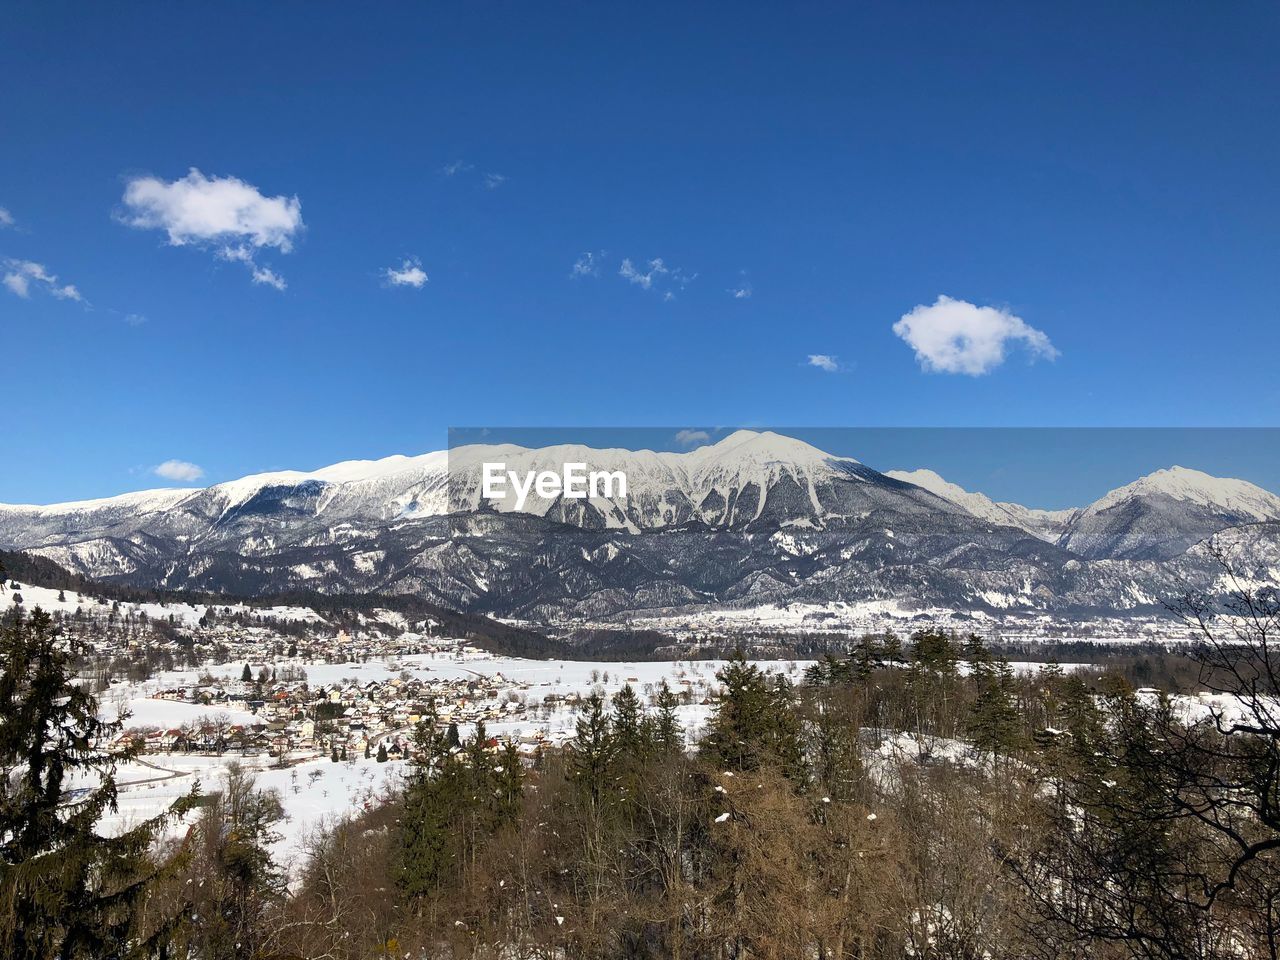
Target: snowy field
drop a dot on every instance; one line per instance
(316, 790)
(188, 614)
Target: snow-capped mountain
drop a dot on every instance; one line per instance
(1164, 513)
(755, 518)
(1046, 524)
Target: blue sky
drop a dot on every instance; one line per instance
(1093, 187)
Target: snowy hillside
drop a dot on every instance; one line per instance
(752, 520)
(1163, 514)
(1045, 524)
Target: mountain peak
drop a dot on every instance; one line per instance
(765, 445)
(1194, 486)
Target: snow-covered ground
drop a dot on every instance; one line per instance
(185, 613)
(317, 790)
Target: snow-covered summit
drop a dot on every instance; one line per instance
(1045, 524)
(1237, 497)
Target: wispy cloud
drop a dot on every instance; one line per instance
(743, 290)
(242, 254)
(490, 180)
(6, 218)
(178, 470)
(824, 361)
(691, 438)
(586, 265)
(224, 214)
(23, 276)
(409, 274)
(955, 336)
(643, 279)
(656, 275)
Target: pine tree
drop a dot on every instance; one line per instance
(65, 891)
(754, 722)
(668, 734)
(510, 784)
(994, 721)
(382, 753)
(629, 730)
(592, 750)
(246, 675)
(432, 797)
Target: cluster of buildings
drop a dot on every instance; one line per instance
(298, 719)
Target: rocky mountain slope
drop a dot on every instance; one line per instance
(755, 518)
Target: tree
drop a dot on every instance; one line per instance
(382, 753)
(592, 750)
(65, 891)
(629, 733)
(246, 675)
(755, 721)
(239, 883)
(428, 848)
(995, 723)
(1170, 844)
(668, 734)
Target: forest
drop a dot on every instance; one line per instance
(912, 798)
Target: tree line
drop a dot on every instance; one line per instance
(911, 798)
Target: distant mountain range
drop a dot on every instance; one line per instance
(756, 518)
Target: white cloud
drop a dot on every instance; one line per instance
(642, 279)
(691, 438)
(452, 169)
(586, 266)
(179, 470)
(242, 254)
(824, 361)
(6, 218)
(492, 181)
(741, 293)
(410, 274)
(21, 274)
(954, 336)
(223, 213)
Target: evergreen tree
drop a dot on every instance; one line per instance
(65, 891)
(592, 750)
(994, 721)
(382, 753)
(427, 850)
(668, 734)
(510, 784)
(754, 722)
(629, 730)
(246, 675)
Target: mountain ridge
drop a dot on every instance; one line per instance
(757, 517)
